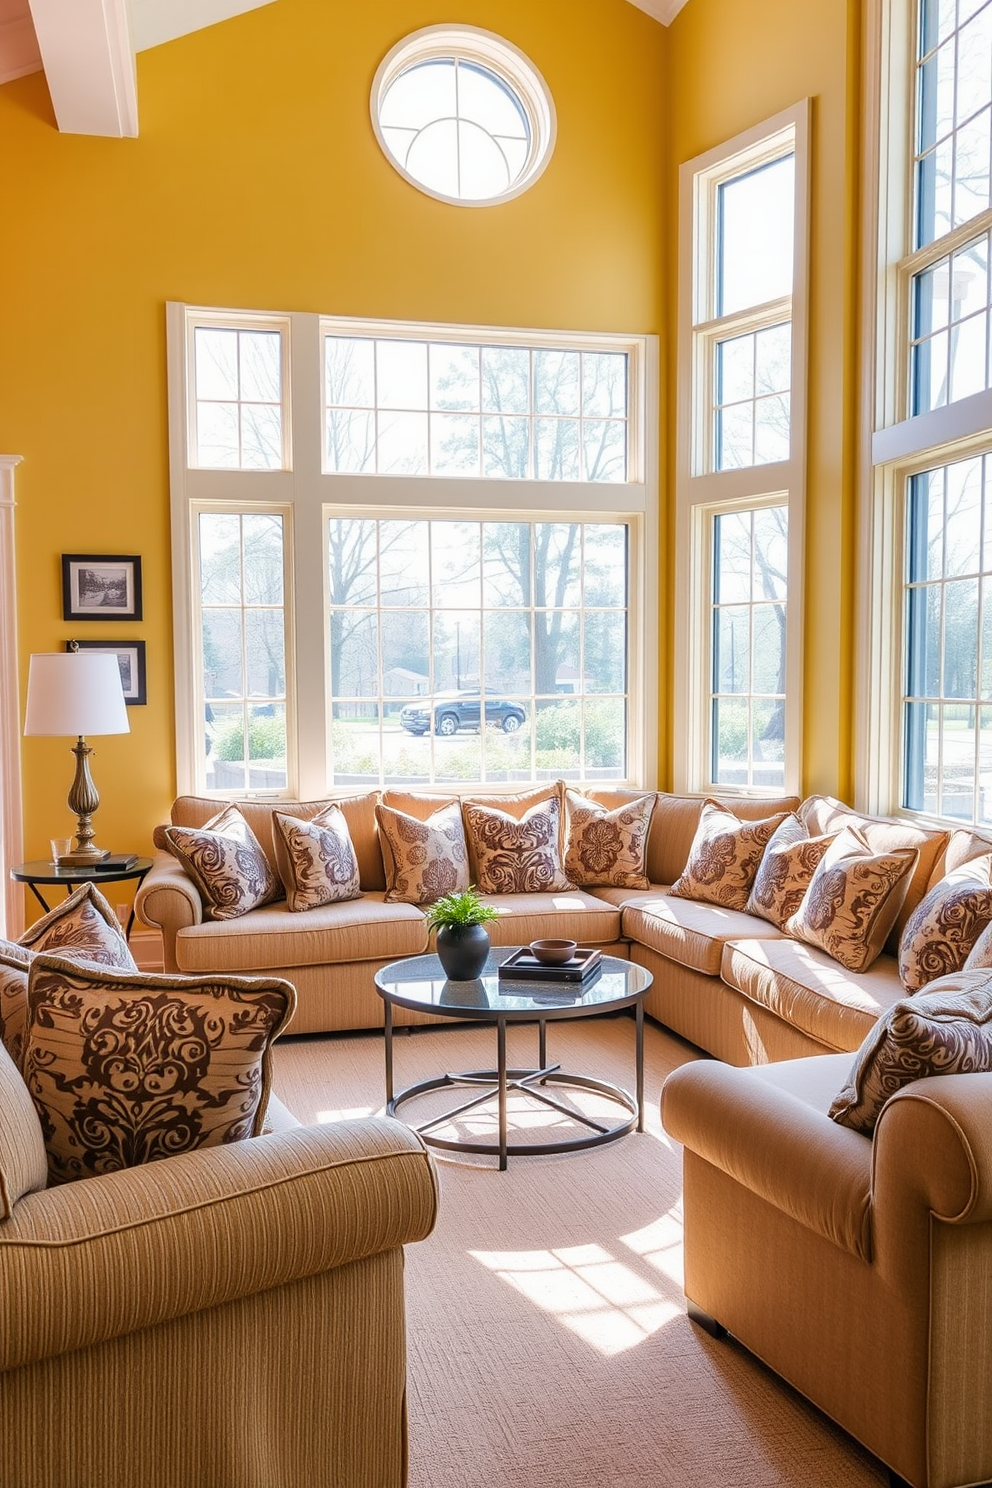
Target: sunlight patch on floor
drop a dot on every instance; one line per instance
(660, 1244)
(588, 1290)
(346, 1113)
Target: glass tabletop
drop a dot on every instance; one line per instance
(420, 982)
(43, 871)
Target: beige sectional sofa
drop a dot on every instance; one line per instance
(726, 981)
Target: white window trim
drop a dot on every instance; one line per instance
(700, 493)
(894, 446)
(312, 493)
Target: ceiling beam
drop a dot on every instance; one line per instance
(664, 11)
(89, 64)
(19, 52)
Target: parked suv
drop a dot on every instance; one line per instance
(448, 712)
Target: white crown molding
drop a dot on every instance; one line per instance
(156, 21)
(664, 11)
(19, 52)
(89, 64)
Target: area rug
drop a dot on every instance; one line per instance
(548, 1341)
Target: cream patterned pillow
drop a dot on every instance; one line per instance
(14, 964)
(517, 856)
(23, 1167)
(82, 925)
(125, 1068)
(607, 848)
(946, 1030)
(785, 871)
(944, 926)
(225, 861)
(980, 955)
(315, 858)
(429, 858)
(853, 900)
(724, 856)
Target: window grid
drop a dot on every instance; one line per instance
(947, 705)
(954, 111)
(748, 616)
(568, 696)
(238, 415)
(517, 436)
(752, 428)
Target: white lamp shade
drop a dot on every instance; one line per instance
(75, 692)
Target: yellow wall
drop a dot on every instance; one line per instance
(256, 182)
(731, 66)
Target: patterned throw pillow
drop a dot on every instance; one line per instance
(724, 856)
(604, 847)
(517, 856)
(14, 963)
(853, 900)
(946, 1030)
(226, 863)
(316, 859)
(785, 871)
(980, 955)
(944, 926)
(82, 925)
(23, 1167)
(429, 858)
(125, 1068)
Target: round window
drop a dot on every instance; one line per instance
(463, 115)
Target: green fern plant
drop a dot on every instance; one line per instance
(456, 911)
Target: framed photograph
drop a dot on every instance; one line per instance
(100, 587)
(131, 660)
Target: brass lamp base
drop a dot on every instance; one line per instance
(83, 800)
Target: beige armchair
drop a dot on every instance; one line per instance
(859, 1269)
(230, 1318)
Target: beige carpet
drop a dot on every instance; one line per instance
(548, 1342)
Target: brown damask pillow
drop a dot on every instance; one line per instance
(944, 926)
(853, 900)
(125, 1068)
(517, 856)
(724, 856)
(785, 871)
(82, 925)
(315, 858)
(429, 858)
(946, 1030)
(607, 848)
(14, 963)
(225, 861)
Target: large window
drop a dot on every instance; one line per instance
(439, 574)
(741, 456)
(927, 675)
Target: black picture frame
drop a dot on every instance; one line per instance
(131, 659)
(101, 586)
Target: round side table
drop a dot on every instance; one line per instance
(71, 876)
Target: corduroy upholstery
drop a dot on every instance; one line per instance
(858, 1268)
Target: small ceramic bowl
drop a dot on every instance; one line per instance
(552, 952)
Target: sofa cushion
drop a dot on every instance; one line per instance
(359, 813)
(823, 814)
(575, 914)
(853, 899)
(607, 847)
(685, 931)
(724, 857)
(83, 925)
(365, 929)
(316, 861)
(785, 871)
(23, 1162)
(944, 926)
(127, 1067)
(516, 855)
(14, 963)
(946, 1030)
(424, 859)
(225, 861)
(807, 988)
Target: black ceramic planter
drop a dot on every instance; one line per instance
(462, 951)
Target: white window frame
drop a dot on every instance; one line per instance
(702, 492)
(312, 494)
(895, 446)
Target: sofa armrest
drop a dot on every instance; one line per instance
(106, 1256)
(933, 1147)
(168, 900)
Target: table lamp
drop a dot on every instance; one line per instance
(77, 692)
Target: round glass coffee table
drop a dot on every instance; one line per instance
(420, 984)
